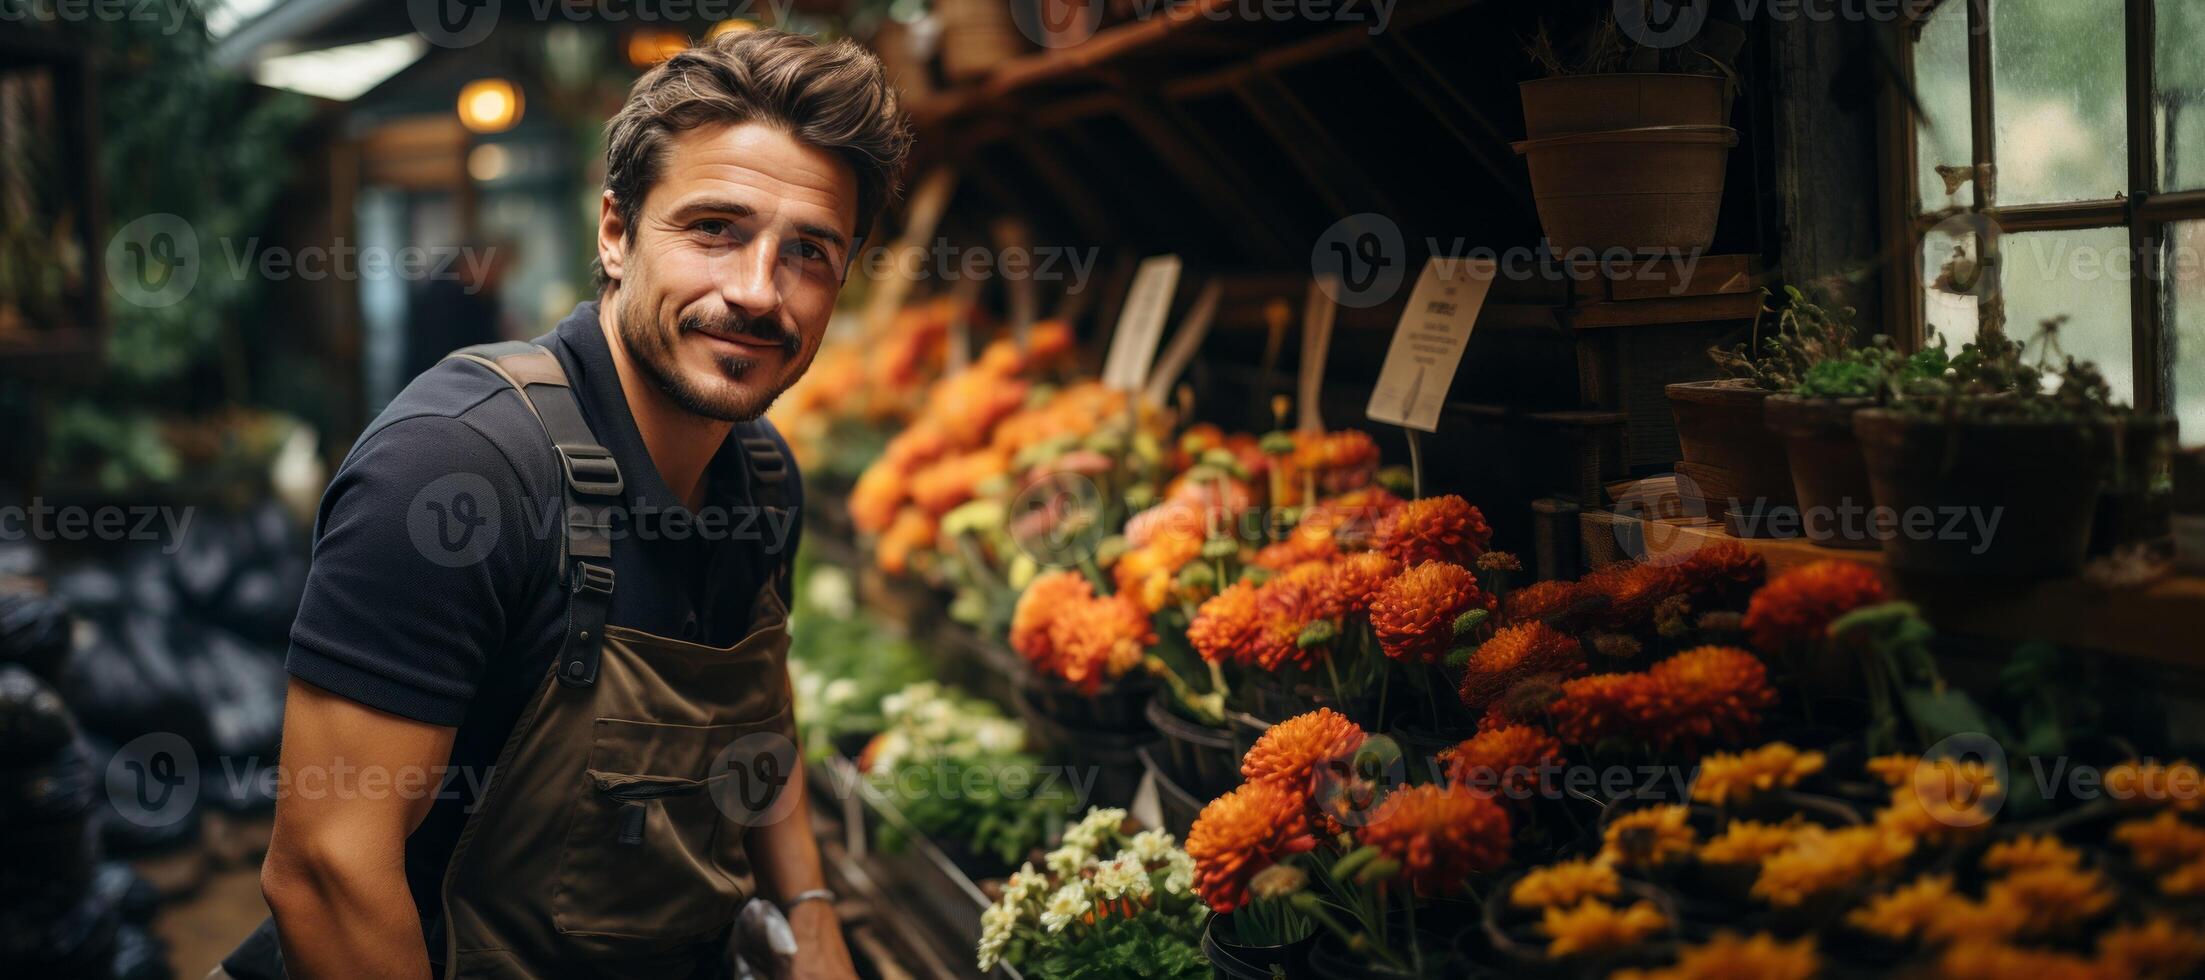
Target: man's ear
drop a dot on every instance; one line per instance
(612, 237)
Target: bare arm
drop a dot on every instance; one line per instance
(784, 857)
(335, 874)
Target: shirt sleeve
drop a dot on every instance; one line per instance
(422, 551)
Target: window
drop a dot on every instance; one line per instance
(2053, 163)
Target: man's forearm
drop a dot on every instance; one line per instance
(345, 922)
(783, 855)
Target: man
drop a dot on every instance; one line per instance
(554, 576)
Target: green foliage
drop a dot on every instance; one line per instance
(1807, 333)
(1877, 371)
(842, 661)
(1994, 378)
(999, 805)
(1153, 945)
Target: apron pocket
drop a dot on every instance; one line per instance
(643, 859)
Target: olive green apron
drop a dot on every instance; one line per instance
(609, 840)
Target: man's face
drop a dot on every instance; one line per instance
(726, 282)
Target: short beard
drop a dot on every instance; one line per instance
(651, 347)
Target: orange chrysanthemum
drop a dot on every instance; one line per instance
(1296, 549)
(2159, 948)
(1722, 573)
(1238, 835)
(1352, 581)
(1515, 653)
(1547, 602)
(1097, 640)
(1441, 835)
(1225, 626)
(1799, 605)
(1593, 708)
(1347, 521)
(1630, 591)
(1342, 460)
(1293, 752)
(1707, 693)
(1145, 574)
(944, 484)
(1049, 594)
(1730, 957)
(1414, 614)
(1506, 762)
(1446, 529)
(909, 532)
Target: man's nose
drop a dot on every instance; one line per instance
(746, 276)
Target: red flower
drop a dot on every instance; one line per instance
(1515, 653)
(1444, 529)
(1414, 614)
(1703, 694)
(1721, 573)
(1596, 707)
(1799, 605)
(1441, 835)
(1504, 761)
(1241, 833)
(1293, 752)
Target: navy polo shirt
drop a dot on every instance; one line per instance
(435, 591)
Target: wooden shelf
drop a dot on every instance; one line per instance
(2162, 623)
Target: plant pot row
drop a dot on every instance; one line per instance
(1956, 496)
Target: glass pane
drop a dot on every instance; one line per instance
(2181, 101)
(2084, 276)
(1941, 82)
(1949, 284)
(2060, 79)
(2185, 292)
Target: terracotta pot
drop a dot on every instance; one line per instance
(1728, 449)
(1987, 498)
(2138, 505)
(1622, 100)
(1648, 189)
(1828, 475)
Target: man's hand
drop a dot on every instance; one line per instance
(820, 952)
(335, 873)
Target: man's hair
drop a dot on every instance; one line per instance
(832, 96)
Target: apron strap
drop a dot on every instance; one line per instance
(770, 491)
(592, 487)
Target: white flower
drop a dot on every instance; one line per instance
(1023, 884)
(1102, 820)
(839, 691)
(830, 591)
(889, 751)
(1151, 846)
(1123, 876)
(1070, 902)
(998, 736)
(1180, 879)
(1067, 860)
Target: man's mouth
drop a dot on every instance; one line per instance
(744, 343)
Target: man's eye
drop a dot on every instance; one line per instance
(810, 250)
(711, 226)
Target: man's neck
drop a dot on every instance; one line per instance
(681, 443)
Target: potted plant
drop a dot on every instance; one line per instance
(1109, 902)
(1989, 451)
(1740, 463)
(1815, 418)
(1628, 144)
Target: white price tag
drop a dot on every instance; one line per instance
(1141, 323)
(1318, 312)
(1183, 344)
(1428, 342)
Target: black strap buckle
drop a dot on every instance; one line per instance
(766, 461)
(592, 578)
(591, 470)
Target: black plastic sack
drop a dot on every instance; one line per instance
(130, 775)
(238, 685)
(34, 631)
(140, 955)
(127, 680)
(78, 943)
(34, 723)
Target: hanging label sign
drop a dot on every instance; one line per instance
(1141, 323)
(1318, 312)
(1183, 344)
(1428, 342)
(922, 215)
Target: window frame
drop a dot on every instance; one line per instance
(2145, 212)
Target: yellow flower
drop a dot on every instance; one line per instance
(2177, 785)
(2155, 950)
(1906, 911)
(1992, 960)
(1654, 835)
(1729, 956)
(1594, 927)
(2187, 881)
(1566, 883)
(2052, 898)
(1942, 800)
(1964, 921)
(1748, 842)
(1821, 860)
(1895, 769)
(2030, 851)
(1727, 778)
(2162, 840)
